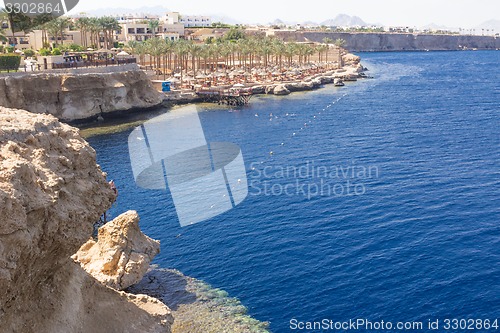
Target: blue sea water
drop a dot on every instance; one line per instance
(410, 230)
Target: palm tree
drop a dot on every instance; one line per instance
(139, 49)
(155, 47)
(225, 52)
(94, 28)
(340, 42)
(56, 28)
(3, 18)
(2, 36)
(279, 50)
(321, 49)
(153, 26)
(180, 51)
(17, 22)
(168, 49)
(265, 49)
(291, 49)
(195, 51)
(108, 25)
(205, 54)
(327, 41)
(81, 25)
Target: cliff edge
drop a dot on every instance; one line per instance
(79, 94)
(51, 193)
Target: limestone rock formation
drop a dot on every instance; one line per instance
(281, 89)
(258, 89)
(350, 58)
(51, 193)
(381, 41)
(122, 254)
(81, 94)
(270, 89)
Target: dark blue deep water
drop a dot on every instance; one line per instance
(410, 230)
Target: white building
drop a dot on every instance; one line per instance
(187, 20)
(141, 31)
(170, 18)
(135, 18)
(195, 21)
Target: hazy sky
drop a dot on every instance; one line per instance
(452, 13)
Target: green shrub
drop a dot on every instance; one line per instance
(9, 62)
(63, 48)
(29, 53)
(56, 51)
(76, 48)
(10, 49)
(44, 52)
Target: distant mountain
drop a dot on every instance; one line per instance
(343, 20)
(224, 19)
(155, 10)
(492, 25)
(278, 22)
(434, 26)
(309, 24)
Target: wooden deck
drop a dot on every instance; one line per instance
(231, 96)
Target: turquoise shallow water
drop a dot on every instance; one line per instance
(410, 229)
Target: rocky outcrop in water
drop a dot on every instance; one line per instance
(281, 89)
(51, 193)
(80, 94)
(122, 254)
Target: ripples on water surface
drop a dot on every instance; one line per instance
(422, 242)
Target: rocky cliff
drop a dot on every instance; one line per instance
(79, 94)
(121, 255)
(51, 193)
(358, 42)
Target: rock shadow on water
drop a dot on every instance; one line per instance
(170, 286)
(196, 306)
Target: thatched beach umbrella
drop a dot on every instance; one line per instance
(122, 54)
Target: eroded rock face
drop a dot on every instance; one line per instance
(51, 193)
(350, 58)
(122, 254)
(281, 89)
(84, 95)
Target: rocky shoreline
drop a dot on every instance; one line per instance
(55, 277)
(353, 70)
(195, 305)
(84, 96)
(80, 94)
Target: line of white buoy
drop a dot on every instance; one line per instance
(315, 116)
